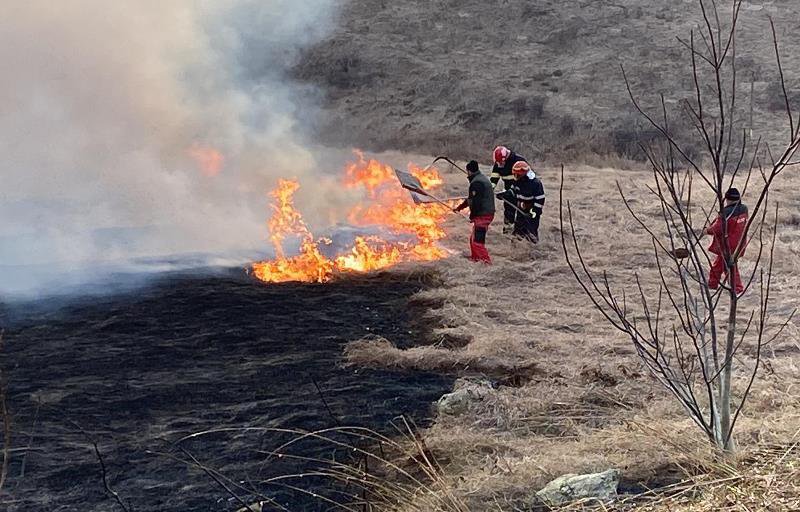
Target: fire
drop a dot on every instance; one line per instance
(373, 175)
(415, 229)
(208, 159)
(364, 257)
(310, 264)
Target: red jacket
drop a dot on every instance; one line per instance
(736, 215)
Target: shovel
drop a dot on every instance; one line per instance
(418, 193)
(506, 201)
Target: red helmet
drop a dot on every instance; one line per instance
(520, 168)
(501, 154)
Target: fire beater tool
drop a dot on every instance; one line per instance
(448, 160)
(418, 193)
(680, 253)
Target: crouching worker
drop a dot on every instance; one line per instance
(529, 194)
(480, 200)
(732, 222)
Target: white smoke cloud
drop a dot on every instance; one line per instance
(108, 111)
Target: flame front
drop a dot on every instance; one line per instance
(309, 265)
(386, 205)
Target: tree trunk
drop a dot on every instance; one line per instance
(724, 436)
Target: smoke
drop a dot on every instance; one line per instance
(145, 128)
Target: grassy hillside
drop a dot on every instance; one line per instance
(459, 76)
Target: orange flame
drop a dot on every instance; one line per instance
(387, 206)
(208, 159)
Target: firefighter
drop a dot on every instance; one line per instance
(504, 160)
(529, 194)
(480, 200)
(734, 221)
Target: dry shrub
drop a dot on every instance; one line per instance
(399, 474)
(765, 479)
(378, 352)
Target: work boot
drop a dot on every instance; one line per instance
(526, 237)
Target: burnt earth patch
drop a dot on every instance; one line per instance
(139, 371)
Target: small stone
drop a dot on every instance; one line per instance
(253, 507)
(567, 488)
(466, 393)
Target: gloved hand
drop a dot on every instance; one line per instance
(500, 195)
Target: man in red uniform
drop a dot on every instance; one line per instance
(732, 222)
(481, 211)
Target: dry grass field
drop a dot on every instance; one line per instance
(571, 395)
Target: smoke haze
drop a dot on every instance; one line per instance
(145, 128)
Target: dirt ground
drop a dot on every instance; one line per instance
(138, 371)
(571, 394)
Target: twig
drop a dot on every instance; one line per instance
(30, 441)
(214, 477)
(325, 403)
(104, 474)
(6, 421)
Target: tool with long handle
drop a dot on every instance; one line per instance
(448, 160)
(410, 182)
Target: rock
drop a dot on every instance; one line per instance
(253, 507)
(466, 393)
(566, 488)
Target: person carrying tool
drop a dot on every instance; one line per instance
(529, 194)
(480, 201)
(504, 160)
(731, 222)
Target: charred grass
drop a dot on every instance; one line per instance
(246, 364)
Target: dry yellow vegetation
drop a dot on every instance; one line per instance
(571, 395)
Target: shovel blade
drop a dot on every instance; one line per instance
(410, 182)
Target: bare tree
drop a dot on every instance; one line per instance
(690, 336)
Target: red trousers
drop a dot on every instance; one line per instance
(716, 272)
(477, 242)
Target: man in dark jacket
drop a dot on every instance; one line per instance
(504, 160)
(480, 200)
(529, 194)
(728, 227)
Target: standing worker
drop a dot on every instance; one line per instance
(480, 200)
(529, 194)
(504, 160)
(732, 223)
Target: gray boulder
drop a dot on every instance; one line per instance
(567, 488)
(466, 393)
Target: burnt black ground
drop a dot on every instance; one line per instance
(185, 354)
